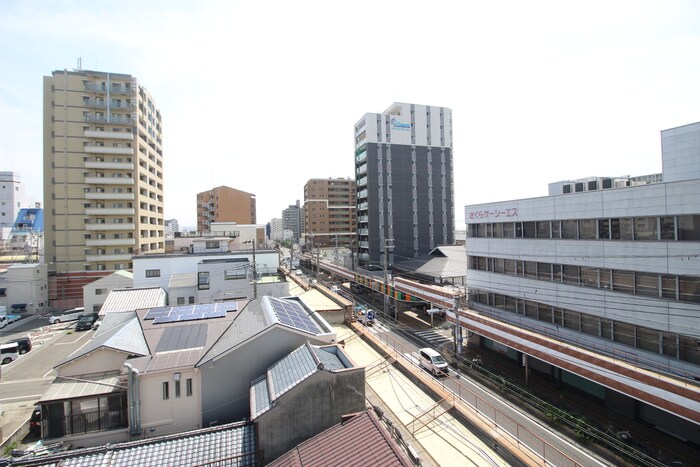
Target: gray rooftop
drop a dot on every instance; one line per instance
(119, 331)
(231, 444)
(289, 372)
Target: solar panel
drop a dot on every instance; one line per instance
(154, 313)
(165, 319)
(293, 314)
(214, 314)
(227, 306)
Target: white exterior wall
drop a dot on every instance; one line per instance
(664, 257)
(402, 112)
(105, 285)
(11, 198)
(680, 149)
(176, 414)
(28, 284)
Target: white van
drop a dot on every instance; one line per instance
(73, 314)
(9, 352)
(432, 361)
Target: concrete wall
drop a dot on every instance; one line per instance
(316, 404)
(92, 299)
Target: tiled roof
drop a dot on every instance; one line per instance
(372, 445)
(289, 372)
(232, 444)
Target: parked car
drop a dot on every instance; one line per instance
(86, 321)
(73, 314)
(9, 352)
(24, 343)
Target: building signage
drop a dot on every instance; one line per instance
(486, 214)
(397, 125)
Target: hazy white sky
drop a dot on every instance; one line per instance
(262, 96)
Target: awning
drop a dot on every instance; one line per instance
(80, 388)
(19, 306)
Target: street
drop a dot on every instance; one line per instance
(24, 381)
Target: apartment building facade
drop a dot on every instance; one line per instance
(12, 198)
(614, 271)
(404, 178)
(224, 204)
(103, 177)
(330, 211)
(293, 220)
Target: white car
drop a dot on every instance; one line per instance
(73, 314)
(9, 352)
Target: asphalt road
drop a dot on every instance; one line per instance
(24, 381)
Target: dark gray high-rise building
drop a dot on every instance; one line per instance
(404, 175)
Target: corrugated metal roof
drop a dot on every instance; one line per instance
(133, 299)
(231, 444)
(64, 388)
(331, 447)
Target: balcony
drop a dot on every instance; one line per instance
(109, 165)
(361, 157)
(102, 258)
(110, 242)
(109, 150)
(110, 211)
(109, 180)
(115, 119)
(362, 206)
(362, 219)
(120, 196)
(364, 232)
(363, 244)
(109, 134)
(106, 227)
(362, 194)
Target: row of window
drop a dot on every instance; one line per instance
(166, 389)
(648, 284)
(664, 343)
(682, 228)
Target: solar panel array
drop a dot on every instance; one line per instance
(293, 314)
(172, 314)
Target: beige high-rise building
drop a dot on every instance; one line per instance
(329, 211)
(103, 177)
(224, 204)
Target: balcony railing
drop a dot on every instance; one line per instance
(57, 427)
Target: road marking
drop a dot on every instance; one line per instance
(72, 342)
(10, 399)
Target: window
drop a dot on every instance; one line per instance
(203, 280)
(188, 386)
(646, 284)
(177, 388)
(568, 229)
(587, 229)
(529, 230)
(180, 300)
(166, 391)
(191, 300)
(100, 291)
(212, 245)
(645, 228)
(152, 272)
(689, 228)
(235, 274)
(603, 229)
(543, 230)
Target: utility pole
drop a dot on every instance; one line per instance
(255, 270)
(386, 274)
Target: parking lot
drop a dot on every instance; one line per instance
(24, 381)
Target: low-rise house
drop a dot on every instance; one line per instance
(304, 393)
(168, 369)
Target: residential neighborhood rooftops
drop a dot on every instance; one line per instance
(229, 444)
(132, 299)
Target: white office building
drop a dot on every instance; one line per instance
(607, 280)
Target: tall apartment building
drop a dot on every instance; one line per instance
(103, 177)
(404, 176)
(292, 219)
(11, 198)
(606, 281)
(330, 211)
(224, 204)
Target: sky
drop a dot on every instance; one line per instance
(263, 96)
